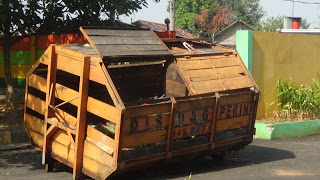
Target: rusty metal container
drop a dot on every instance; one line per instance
(129, 98)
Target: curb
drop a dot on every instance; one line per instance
(12, 137)
(286, 129)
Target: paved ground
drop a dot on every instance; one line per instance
(295, 158)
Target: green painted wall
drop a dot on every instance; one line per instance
(17, 83)
(17, 57)
(287, 129)
(244, 47)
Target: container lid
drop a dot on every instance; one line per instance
(120, 42)
(214, 73)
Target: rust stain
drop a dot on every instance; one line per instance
(282, 172)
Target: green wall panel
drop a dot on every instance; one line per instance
(244, 47)
(17, 57)
(17, 83)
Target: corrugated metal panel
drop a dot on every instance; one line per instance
(124, 42)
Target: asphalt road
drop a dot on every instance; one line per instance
(294, 158)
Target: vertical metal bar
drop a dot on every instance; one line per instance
(214, 121)
(81, 117)
(170, 128)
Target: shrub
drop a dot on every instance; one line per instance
(298, 102)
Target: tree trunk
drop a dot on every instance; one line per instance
(7, 64)
(7, 73)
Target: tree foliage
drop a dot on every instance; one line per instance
(213, 20)
(23, 18)
(188, 12)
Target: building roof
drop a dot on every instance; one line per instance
(163, 27)
(234, 24)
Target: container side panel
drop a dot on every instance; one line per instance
(145, 125)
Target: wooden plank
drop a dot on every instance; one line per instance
(195, 58)
(65, 117)
(69, 53)
(69, 64)
(103, 147)
(180, 132)
(194, 64)
(37, 82)
(90, 41)
(100, 137)
(202, 73)
(36, 104)
(33, 123)
(204, 79)
(148, 109)
(238, 82)
(182, 50)
(236, 98)
(188, 104)
(61, 125)
(94, 106)
(121, 33)
(103, 110)
(147, 123)
(96, 74)
(145, 138)
(62, 137)
(214, 85)
(96, 170)
(230, 72)
(62, 151)
(51, 80)
(113, 40)
(234, 110)
(81, 117)
(184, 39)
(225, 61)
(232, 123)
(111, 89)
(36, 138)
(114, 53)
(138, 64)
(185, 78)
(95, 153)
(120, 47)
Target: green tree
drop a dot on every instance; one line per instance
(248, 11)
(304, 24)
(273, 23)
(23, 18)
(214, 20)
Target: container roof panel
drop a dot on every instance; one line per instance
(112, 43)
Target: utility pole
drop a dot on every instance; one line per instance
(172, 33)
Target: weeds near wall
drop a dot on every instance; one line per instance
(297, 102)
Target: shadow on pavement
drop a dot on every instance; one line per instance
(251, 155)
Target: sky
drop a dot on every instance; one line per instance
(157, 12)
